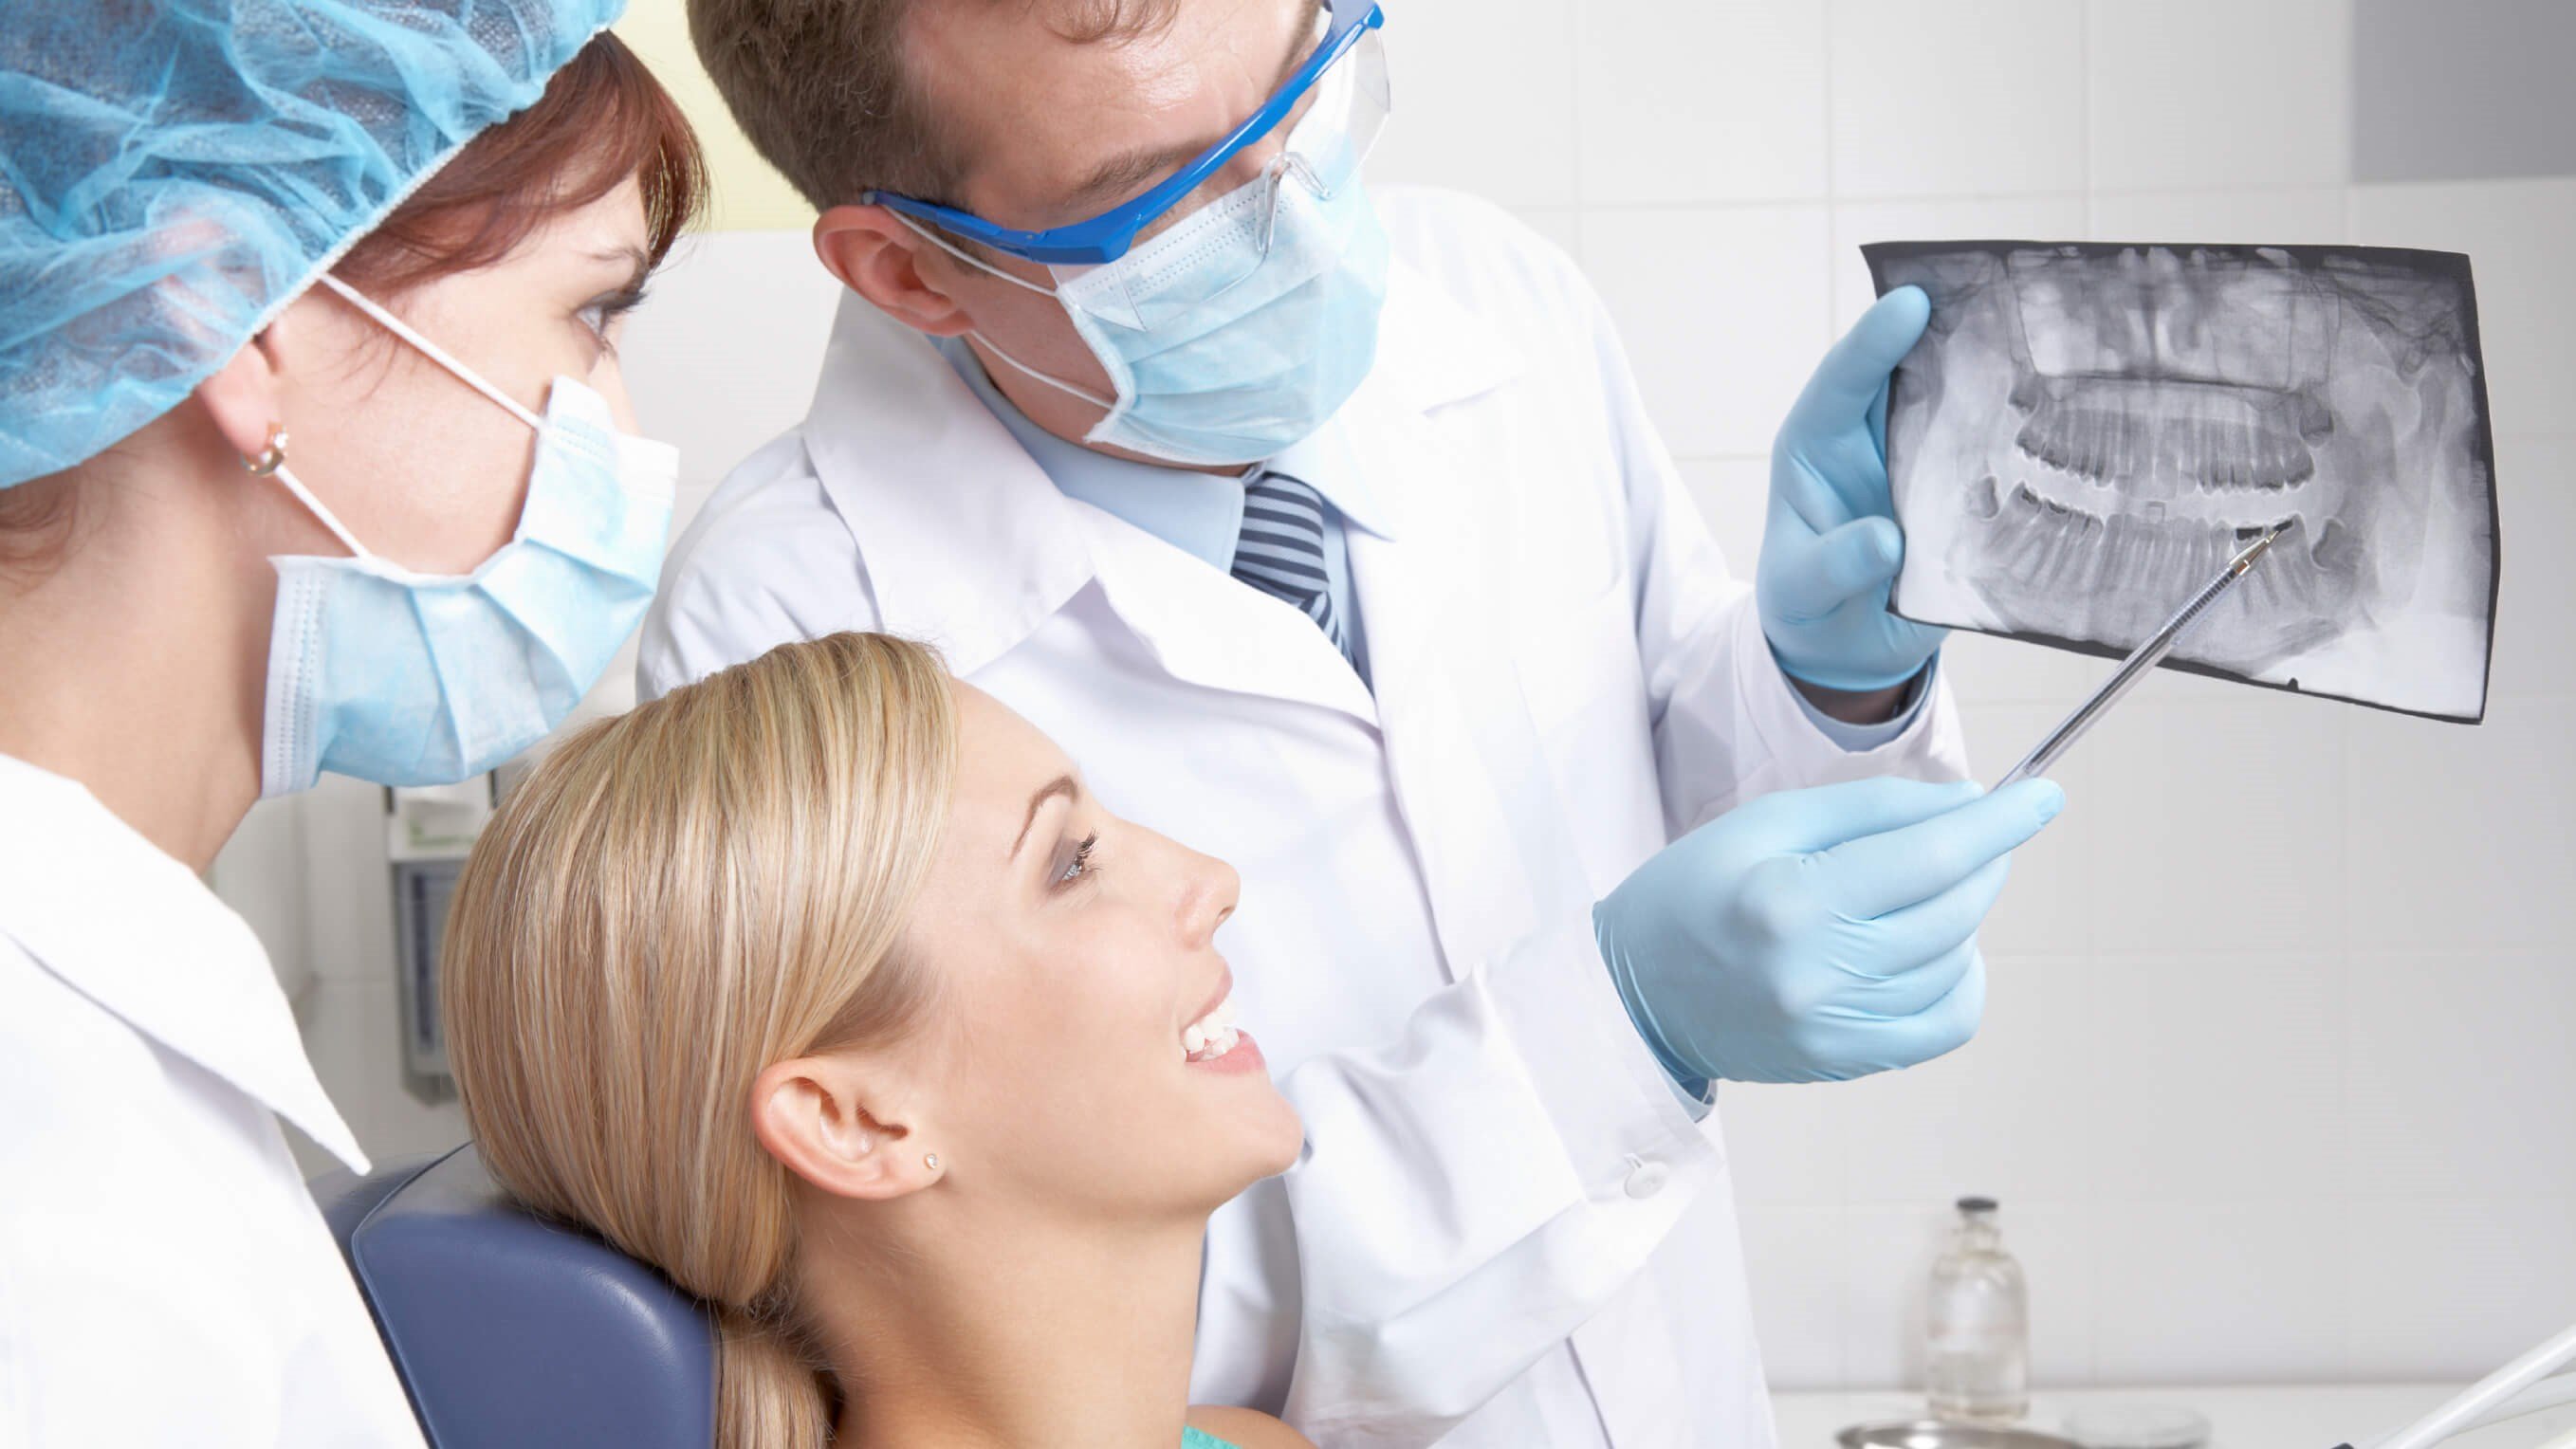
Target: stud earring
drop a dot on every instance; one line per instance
(930, 1160)
(272, 457)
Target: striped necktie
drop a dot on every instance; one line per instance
(1281, 552)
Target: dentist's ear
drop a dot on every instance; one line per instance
(883, 260)
(812, 1114)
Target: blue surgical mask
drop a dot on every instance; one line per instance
(1238, 331)
(404, 678)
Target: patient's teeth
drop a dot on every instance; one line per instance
(1193, 1040)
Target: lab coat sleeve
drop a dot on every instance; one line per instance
(1728, 724)
(1471, 1194)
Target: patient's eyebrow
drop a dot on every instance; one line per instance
(1061, 785)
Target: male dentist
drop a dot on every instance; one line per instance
(1325, 530)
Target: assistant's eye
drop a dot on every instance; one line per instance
(601, 314)
(1080, 867)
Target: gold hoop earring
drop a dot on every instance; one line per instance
(272, 457)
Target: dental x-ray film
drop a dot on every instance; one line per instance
(2088, 431)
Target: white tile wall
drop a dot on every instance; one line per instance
(2219, 1291)
(2282, 1029)
(1486, 91)
(1693, 104)
(1714, 280)
(1956, 100)
(2166, 109)
(2305, 215)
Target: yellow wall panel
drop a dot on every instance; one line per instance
(750, 195)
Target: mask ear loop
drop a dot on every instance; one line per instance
(272, 463)
(304, 495)
(979, 264)
(431, 350)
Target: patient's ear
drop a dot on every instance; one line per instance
(826, 1119)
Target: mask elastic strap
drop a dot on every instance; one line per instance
(431, 350)
(1059, 384)
(304, 495)
(978, 263)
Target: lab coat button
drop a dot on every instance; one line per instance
(1647, 1178)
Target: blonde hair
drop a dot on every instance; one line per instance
(672, 901)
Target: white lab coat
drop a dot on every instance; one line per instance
(164, 1276)
(1507, 1229)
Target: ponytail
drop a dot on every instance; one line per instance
(770, 1391)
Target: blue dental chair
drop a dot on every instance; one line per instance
(510, 1331)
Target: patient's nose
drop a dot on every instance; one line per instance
(1209, 890)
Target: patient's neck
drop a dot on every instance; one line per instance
(949, 1326)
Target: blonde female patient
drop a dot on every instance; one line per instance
(824, 986)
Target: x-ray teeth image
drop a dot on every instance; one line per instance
(2088, 431)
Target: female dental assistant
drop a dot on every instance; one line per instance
(313, 456)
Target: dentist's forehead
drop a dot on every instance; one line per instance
(1039, 97)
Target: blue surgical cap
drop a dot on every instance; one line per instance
(174, 172)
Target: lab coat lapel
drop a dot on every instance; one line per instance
(970, 546)
(1461, 744)
(967, 543)
(1447, 704)
(1209, 629)
(138, 933)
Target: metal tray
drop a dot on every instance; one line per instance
(1933, 1434)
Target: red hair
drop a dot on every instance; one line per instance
(602, 119)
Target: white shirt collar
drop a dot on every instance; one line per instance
(140, 935)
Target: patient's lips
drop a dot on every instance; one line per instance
(1215, 1042)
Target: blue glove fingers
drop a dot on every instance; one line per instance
(1869, 1042)
(1917, 950)
(1821, 817)
(1951, 1022)
(1854, 561)
(1847, 383)
(1807, 497)
(1873, 876)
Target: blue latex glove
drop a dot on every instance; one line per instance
(1830, 545)
(1818, 935)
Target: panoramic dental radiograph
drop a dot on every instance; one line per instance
(2089, 431)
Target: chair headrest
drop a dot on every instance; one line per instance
(510, 1330)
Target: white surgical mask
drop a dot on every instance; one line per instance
(1226, 344)
(403, 678)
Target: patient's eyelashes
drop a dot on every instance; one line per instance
(1079, 867)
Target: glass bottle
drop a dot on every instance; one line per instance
(1977, 1367)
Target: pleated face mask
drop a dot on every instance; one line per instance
(403, 678)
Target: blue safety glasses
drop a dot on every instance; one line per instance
(1346, 77)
